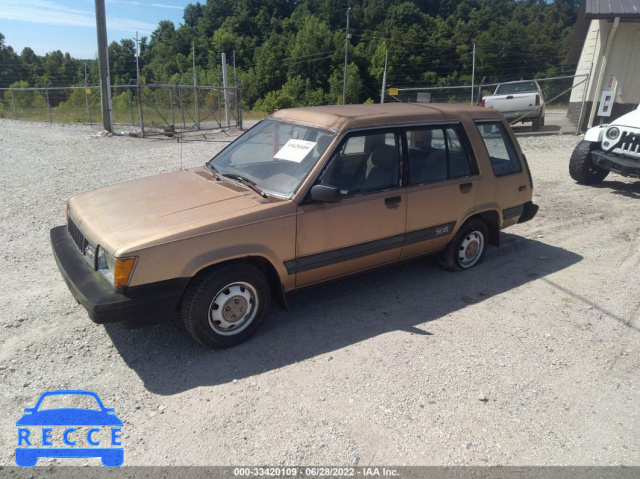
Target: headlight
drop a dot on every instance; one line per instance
(116, 270)
(613, 133)
(106, 264)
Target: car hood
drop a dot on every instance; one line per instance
(157, 208)
(631, 119)
(69, 417)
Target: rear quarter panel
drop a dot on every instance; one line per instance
(499, 193)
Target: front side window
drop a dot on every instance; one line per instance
(436, 154)
(364, 163)
(274, 155)
(502, 153)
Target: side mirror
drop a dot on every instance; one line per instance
(325, 194)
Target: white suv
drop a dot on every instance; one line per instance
(613, 147)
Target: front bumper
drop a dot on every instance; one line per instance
(620, 164)
(131, 307)
(28, 457)
(529, 210)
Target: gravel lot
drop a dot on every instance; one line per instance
(531, 358)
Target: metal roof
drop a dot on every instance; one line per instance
(342, 117)
(625, 9)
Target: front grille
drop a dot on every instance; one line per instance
(630, 143)
(77, 236)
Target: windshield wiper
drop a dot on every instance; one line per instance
(247, 182)
(212, 170)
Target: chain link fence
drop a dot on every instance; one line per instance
(154, 109)
(562, 113)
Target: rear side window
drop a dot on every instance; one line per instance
(504, 159)
(436, 154)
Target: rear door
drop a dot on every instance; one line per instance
(442, 185)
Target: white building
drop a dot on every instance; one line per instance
(606, 46)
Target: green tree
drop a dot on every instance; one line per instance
(122, 62)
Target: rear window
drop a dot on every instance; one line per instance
(520, 87)
(504, 159)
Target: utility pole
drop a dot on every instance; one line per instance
(103, 62)
(384, 76)
(138, 87)
(346, 60)
(473, 72)
(235, 79)
(195, 83)
(225, 85)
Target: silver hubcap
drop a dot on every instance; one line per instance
(470, 249)
(233, 308)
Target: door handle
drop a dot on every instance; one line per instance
(392, 201)
(466, 187)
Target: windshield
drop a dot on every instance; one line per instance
(65, 401)
(520, 87)
(274, 155)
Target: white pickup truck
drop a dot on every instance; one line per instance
(519, 101)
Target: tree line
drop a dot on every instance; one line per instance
(291, 53)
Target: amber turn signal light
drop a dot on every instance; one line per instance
(122, 271)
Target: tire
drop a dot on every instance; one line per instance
(26, 458)
(581, 167)
(113, 458)
(225, 307)
(537, 123)
(467, 248)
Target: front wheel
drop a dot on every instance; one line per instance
(467, 248)
(581, 166)
(226, 306)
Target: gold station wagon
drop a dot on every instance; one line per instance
(305, 196)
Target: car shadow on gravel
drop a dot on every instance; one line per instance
(325, 318)
(528, 130)
(630, 190)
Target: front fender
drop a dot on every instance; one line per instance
(594, 135)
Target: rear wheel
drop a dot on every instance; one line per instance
(537, 123)
(467, 248)
(226, 306)
(113, 458)
(581, 166)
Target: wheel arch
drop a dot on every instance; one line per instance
(594, 135)
(260, 263)
(492, 220)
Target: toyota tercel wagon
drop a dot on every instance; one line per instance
(305, 196)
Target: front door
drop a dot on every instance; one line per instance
(366, 228)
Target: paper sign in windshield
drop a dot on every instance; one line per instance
(295, 150)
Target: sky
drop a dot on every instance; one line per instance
(70, 25)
